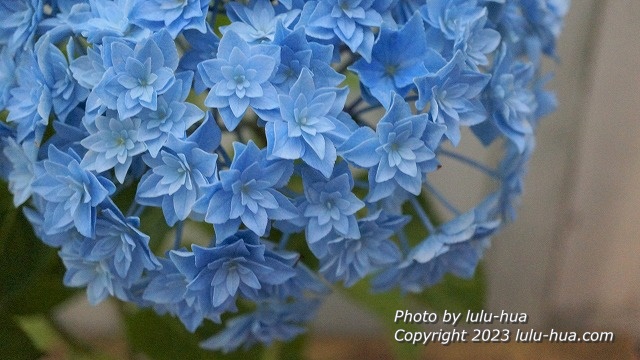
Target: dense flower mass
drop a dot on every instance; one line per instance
(301, 135)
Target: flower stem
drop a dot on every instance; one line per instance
(178, 240)
(471, 162)
(443, 200)
(422, 215)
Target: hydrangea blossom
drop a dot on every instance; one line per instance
(452, 94)
(351, 21)
(329, 206)
(240, 264)
(45, 86)
(308, 124)
(239, 78)
(22, 158)
(135, 76)
(172, 15)
(20, 20)
(104, 99)
(257, 22)
(247, 193)
(72, 193)
(398, 57)
(176, 177)
(112, 144)
(398, 154)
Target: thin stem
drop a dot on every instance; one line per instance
(178, 240)
(135, 210)
(471, 162)
(443, 200)
(284, 240)
(367, 109)
(361, 184)
(422, 215)
(354, 104)
(404, 242)
(225, 156)
(350, 60)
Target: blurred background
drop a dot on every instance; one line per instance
(571, 260)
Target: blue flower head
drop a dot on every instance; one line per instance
(351, 21)
(297, 53)
(398, 154)
(176, 177)
(167, 290)
(398, 57)
(256, 22)
(112, 144)
(104, 99)
(456, 247)
(511, 100)
(172, 15)
(45, 85)
(119, 241)
(95, 275)
(22, 158)
(350, 260)
(452, 94)
(72, 193)
(240, 264)
(247, 193)
(20, 20)
(172, 116)
(308, 124)
(451, 16)
(135, 76)
(240, 77)
(329, 205)
(270, 321)
(110, 19)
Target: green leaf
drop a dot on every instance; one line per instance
(31, 276)
(15, 343)
(44, 291)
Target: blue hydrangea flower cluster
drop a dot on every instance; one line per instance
(247, 117)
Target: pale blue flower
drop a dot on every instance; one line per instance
(397, 59)
(308, 125)
(22, 158)
(329, 206)
(256, 22)
(112, 144)
(72, 193)
(172, 15)
(134, 77)
(399, 154)
(452, 94)
(20, 19)
(176, 177)
(239, 78)
(238, 265)
(247, 193)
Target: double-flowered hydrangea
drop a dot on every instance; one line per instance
(302, 137)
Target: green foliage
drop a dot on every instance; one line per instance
(15, 342)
